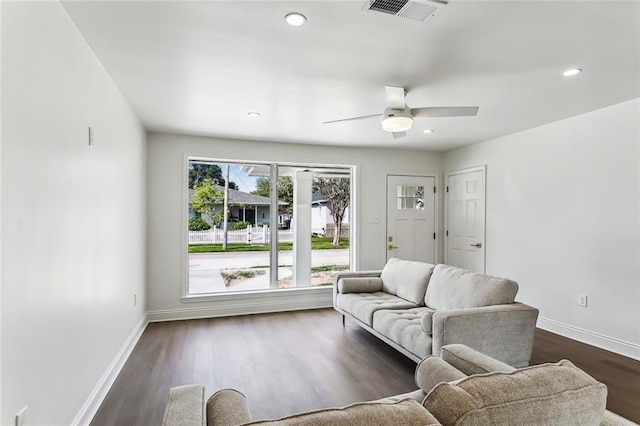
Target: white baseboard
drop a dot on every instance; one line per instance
(90, 407)
(249, 304)
(618, 346)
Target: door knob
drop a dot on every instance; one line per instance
(391, 247)
(476, 245)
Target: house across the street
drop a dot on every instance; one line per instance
(321, 217)
(243, 206)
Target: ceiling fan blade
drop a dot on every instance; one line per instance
(395, 97)
(397, 135)
(352, 118)
(444, 112)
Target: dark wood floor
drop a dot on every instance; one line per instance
(296, 361)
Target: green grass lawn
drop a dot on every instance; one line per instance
(317, 243)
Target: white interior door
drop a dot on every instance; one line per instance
(411, 218)
(465, 234)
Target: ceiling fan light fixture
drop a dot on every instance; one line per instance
(397, 120)
(571, 72)
(428, 131)
(396, 123)
(253, 114)
(295, 19)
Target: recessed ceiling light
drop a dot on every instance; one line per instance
(295, 19)
(428, 131)
(571, 72)
(253, 114)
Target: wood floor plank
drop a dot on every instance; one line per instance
(296, 361)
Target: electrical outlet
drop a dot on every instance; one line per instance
(91, 143)
(135, 299)
(21, 417)
(582, 300)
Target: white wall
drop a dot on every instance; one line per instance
(166, 205)
(563, 219)
(73, 217)
(0, 215)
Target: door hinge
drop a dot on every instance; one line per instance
(447, 234)
(434, 189)
(434, 235)
(447, 188)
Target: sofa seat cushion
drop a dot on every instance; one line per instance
(454, 288)
(548, 394)
(363, 305)
(403, 327)
(407, 279)
(407, 412)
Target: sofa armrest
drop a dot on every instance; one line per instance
(359, 285)
(504, 332)
(227, 407)
(433, 370)
(185, 406)
(470, 361)
(613, 419)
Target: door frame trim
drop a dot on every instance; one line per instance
(436, 211)
(483, 169)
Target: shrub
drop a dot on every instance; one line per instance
(236, 226)
(198, 224)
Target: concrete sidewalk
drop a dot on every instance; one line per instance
(205, 268)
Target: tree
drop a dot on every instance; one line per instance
(198, 172)
(204, 200)
(285, 189)
(336, 191)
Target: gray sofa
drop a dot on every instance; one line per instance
(462, 387)
(418, 308)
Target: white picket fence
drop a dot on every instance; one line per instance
(250, 235)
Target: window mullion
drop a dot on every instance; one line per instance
(273, 227)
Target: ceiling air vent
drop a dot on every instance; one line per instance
(416, 10)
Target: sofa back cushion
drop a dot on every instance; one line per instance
(406, 412)
(548, 394)
(455, 288)
(406, 279)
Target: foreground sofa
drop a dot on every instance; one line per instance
(418, 308)
(462, 387)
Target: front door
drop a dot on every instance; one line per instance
(411, 218)
(465, 235)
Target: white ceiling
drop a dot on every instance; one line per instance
(200, 67)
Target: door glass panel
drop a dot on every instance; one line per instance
(410, 197)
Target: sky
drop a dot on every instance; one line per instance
(245, 183)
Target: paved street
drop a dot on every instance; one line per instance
(205, 268)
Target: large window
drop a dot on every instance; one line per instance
(266, 226)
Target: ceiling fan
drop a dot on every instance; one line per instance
(398, 117)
